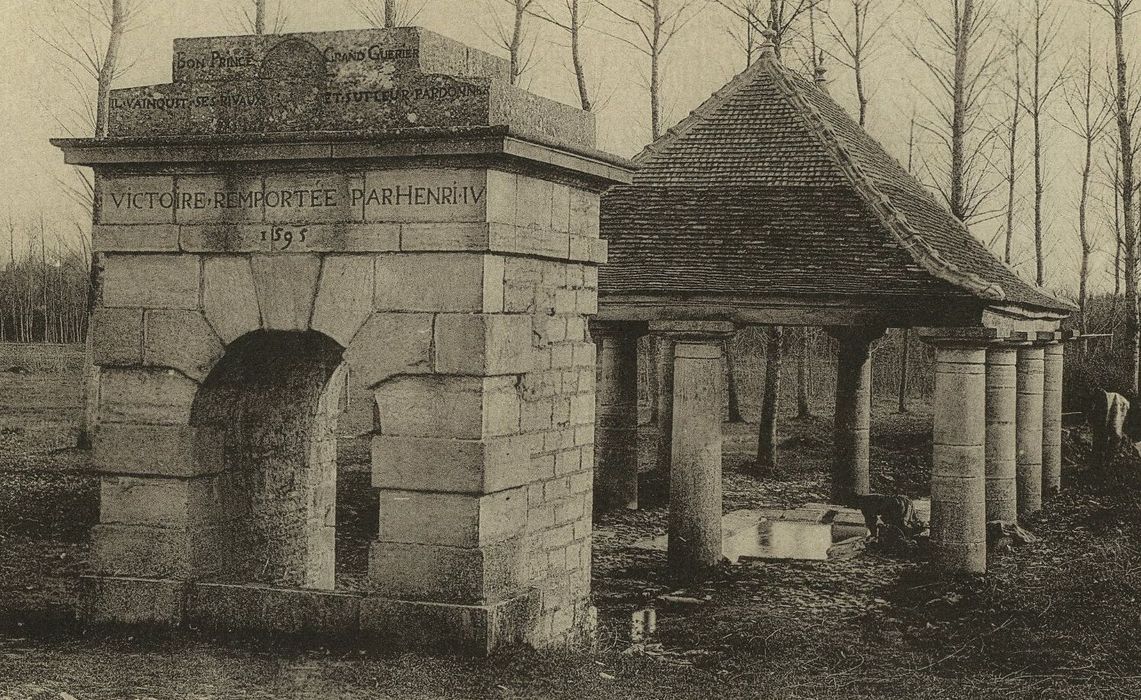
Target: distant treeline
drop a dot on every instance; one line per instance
(43, 290)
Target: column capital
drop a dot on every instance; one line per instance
(693, 330)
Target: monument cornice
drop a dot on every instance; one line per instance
(496, 143)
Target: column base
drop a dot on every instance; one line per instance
(476, 630)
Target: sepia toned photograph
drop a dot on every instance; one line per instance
(570, 349)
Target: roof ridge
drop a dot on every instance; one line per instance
(881, 205)
(701, 112)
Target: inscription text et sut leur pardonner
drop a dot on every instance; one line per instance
(397, 195)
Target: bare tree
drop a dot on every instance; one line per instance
(856, 43)
(744, 30)
(776, 20)
(1125, 109)
(512, 35)
(767, 430)
(386, 14)
(962, 65)
(573, 23)
(654, 24)
(1010, 142)
(1091, 116)
(1036, 101)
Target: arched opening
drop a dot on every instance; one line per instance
(276, 396)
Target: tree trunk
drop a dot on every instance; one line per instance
(903, 352)
(803, 396)
(857, 64)
(516, 40)
(963, 26)
(389, 13)
(259, 16)
(655, 73)
(1036, 115)
(731, 381)
(1012, 149)
(1129, 252)
(767, 430)
(576, 58)
(107, 69)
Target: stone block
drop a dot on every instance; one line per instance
(151, 396)
(181, 340)
(145, 238)
(451, 465)
(560, 208)
(158, 450)
(341, 238)
(225, 238)
(450, 237)
(216, 199)
(311, 198)
(131, 601)
(501, 197)
(466, 629)
(452, 519)
(584, 213)
(344, 296)
(231, 607)
(444, 574)
(117, 337)
(449, 407)
(424, 195)
(158, 552)
(134, 199)
(286, 287)
(533, 204)
(151, 281)
(483, 344)
(457, 282)
(230, 297)
(388, 345)
(170, 502)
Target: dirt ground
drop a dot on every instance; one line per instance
(1059, 618)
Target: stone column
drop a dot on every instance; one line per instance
(1029, 430)
(665, 398)
(852, 421)
(616, 431)
(1001, 446)
(695, 476)
(958, 507)
(1052, 419)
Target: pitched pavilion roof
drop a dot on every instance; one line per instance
(770, 188)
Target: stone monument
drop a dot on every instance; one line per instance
(379, 208)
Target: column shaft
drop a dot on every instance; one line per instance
(664, 399)
(852, 418)
(695, 475)
(958, 506)
(616, 432)
(1052, 419)
(1001, 445)
(1029, 430)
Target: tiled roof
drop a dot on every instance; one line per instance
(769, 188)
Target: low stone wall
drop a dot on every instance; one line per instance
(41, 357)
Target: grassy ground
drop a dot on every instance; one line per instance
(1059, 618)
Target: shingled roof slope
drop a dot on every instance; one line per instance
(770, 188)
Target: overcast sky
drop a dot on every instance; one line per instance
(702, 58)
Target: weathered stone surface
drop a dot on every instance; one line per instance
(169, 502)
(1001, 449)
(158, 450)
(584, 213)
(446, 574)
(117, 337)
(216, 199)
(502, 197)
(131, 601)
(159, 397)
(449, 407)
(483, 344)
(286, 287)
(1052, 362)
(181, 340)
(242, 608)
(451, 465)
(225, 238)
(312, 198)
(230, 297)
(468, 629)
(456, 282)
(452, 519)
(158, 552)
(616, 438)
(1028, 433)
(153, 238)
(344, 296)
(152, 281)
(390, 344)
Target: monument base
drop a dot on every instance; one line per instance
(370, 619)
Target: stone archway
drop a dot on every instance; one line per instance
(275, 396)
